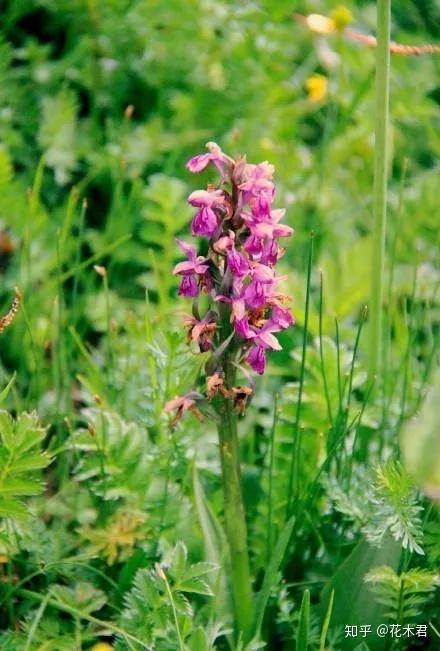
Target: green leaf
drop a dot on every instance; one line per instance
(353, 602)
(5, 392)
(20, 459)
(21, 487)
(83, 596)
(195, 585)
(404, 595)
(10, 508)
(198, 640)
(271, 575)
(302, 639)
(30, 462)
(178, 564)
(326, 623)
(214, 541)
(199, 569)
(213, 535)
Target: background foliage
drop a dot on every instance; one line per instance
(101, 103)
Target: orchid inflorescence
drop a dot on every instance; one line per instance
(238, 271)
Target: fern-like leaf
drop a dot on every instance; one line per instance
(404, 595)
(395, 508)
(21, 459)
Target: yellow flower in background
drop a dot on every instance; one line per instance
(317, 87)
(320, 24)
(342, 17)
(338, 20)
(102, 646)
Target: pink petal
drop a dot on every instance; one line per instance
(188, 249)
(185, 267)
(198, 163)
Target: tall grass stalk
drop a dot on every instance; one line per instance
(380, 183)
(321, 355)
(163, 576)
(293, 479)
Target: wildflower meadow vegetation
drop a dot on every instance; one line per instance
(219, 325)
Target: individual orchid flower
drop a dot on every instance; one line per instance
(215, 155)
(257, 359)
(281, 317)
(202, 331)
(191, 270)
(207, 218)
(182, 404)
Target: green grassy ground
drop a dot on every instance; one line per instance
(112, 521)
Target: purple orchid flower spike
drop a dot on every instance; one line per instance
(238, 273)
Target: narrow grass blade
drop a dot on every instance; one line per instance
(321, 354)
(106, 250)
(293, 481)
(76, 612)
(270, 576)
(302, 640)
(5, 392)
(326, 623)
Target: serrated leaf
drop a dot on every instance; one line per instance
(27, 464)
(83, 596)
(178, 563)
(20, 459)
(182, 604)
(199, 569)
(21, 487)
(10, 508)
(195, 585)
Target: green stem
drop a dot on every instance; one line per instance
(380, 183)
(163, 576)
(234, 514)
(76, 612)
